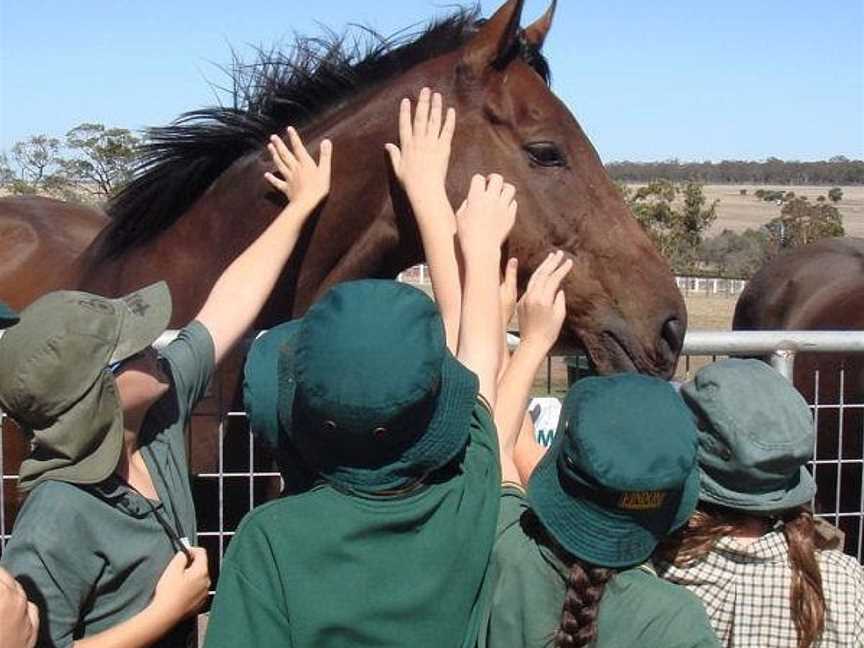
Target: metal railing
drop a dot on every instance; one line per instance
(242, 480)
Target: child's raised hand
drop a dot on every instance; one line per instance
(421, 159)
(487, 215)
(543, 306)
(507, 292)
(304, 182)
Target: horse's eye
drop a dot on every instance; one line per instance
(546, 154)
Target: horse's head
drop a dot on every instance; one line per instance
(623, 305)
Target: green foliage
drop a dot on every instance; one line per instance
(801, 222)
(730, 254)
(36, 168)
(90, 165)
(835, 194)
(675, 217)
(103, 158)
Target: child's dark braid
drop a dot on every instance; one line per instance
(585, 585)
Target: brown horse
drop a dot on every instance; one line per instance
(201, 197)
(821, 287)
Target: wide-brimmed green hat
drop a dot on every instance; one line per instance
(756, 436)
(55, 382)
(366, 389)
(261, 400)
(621, 472)
(8, 317)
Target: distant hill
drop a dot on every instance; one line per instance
(836, 171)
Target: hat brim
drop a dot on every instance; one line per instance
(8, 317)
(604, 536)
(799, 491)
(445, 435)
(260, 381)
(146, 316)
(98, 412)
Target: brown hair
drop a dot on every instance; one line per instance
(710, 523)
(585, 586)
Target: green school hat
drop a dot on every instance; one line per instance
(55, 382)
(8, 317)
(621, 473)
(756, 436)
(366, 390)
(261, 401)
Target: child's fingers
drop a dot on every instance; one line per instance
(462, 208)
(279, 185)
(496, 183)
(434, 126)
(297, 146)
(449, 126)
(541, 274)
(478, 185)
(283, 159)
(395, 156)
(421, 114)
(553, 282)
(539, 271)
(509, 220)
(559, 306)
(508, 193)
(405, 121)
(325, 156)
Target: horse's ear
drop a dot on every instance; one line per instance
(537, 32)
(495, 41)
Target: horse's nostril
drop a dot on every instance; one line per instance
(673, 334)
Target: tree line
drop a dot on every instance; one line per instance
(838, 170)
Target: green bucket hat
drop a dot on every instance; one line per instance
(55, 384)
(621, 473)
(261, 400)
(8, 317)
(755, 437)
(365, 388)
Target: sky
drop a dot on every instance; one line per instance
(647, 79)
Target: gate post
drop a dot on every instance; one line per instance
(783, 361)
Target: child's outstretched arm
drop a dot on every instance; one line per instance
(420, 164)
(239, 294)
(483, 222)
(541, 315)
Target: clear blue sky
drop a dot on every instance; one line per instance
(647, 79)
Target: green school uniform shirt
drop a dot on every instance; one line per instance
(90, 556)
(638, 609)
(330, 569)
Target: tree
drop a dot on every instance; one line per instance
(103, 158)
(36, 168)
(730, 254)
(835, 194)
(675, 218)
(802, 222)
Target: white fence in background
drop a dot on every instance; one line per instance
(244, 477)
(419, 274)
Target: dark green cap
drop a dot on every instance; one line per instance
(366, 389)
(55, 382)
(621, 472)
(756, 435)
(8, 317)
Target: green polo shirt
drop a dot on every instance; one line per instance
(90, 556)
(529, 583)
(330, 569)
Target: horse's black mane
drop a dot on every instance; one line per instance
(318, 75)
